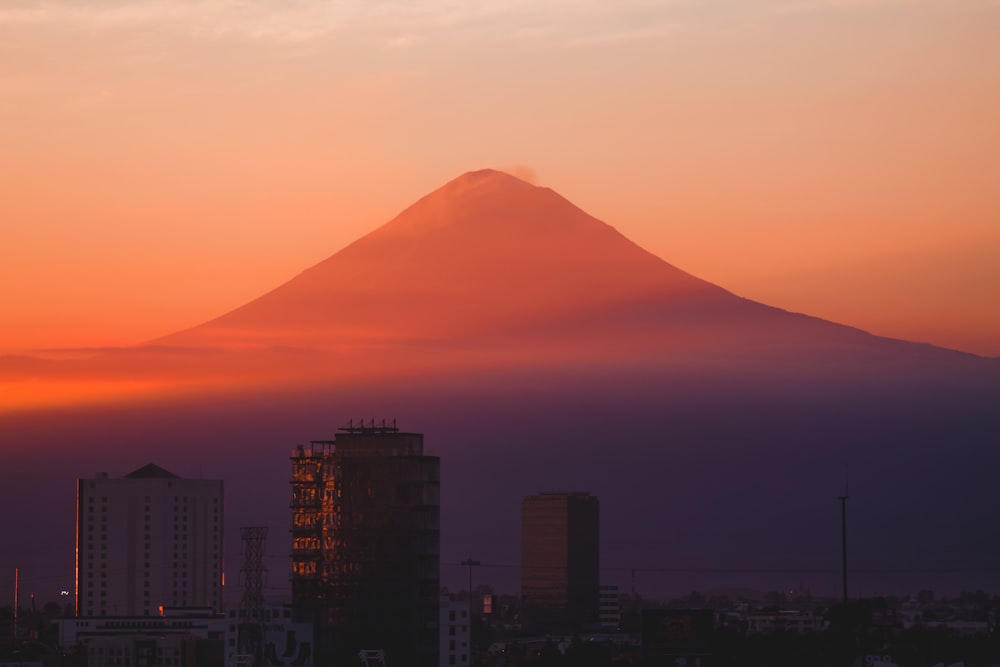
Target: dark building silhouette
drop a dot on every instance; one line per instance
(559, 560)
(365, 545)
(677, 633)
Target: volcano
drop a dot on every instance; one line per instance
(492, 272)
(539, 349)
(486, 252)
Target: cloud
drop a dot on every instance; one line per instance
(626, 35)
(397, 24)
(291, 21)
(522, 171)
(802, 6)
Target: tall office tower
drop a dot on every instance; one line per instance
(146, 540)
(365, 545)
(559, 560)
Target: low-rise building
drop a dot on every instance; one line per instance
(200, 623)
(785, 620)
(283, 642)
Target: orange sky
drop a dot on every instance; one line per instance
(162, 162)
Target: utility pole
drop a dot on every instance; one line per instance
(468, 562)
(843, 540)
(17, 591)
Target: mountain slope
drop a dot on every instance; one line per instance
(486, 273)
(490, 260)
(483, 251)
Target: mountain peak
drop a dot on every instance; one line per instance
(483, 183)
(484, 177)
(484, 251)
(484, 198)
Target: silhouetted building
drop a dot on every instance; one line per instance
(365, 545)
(146, 541)
(560, 559)
(679, 634)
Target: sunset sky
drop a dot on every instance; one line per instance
(164, 161)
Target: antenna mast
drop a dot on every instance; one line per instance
(251, 628)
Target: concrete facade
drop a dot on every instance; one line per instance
(146, 541)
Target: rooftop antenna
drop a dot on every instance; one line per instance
(370, 427)
(250, 633)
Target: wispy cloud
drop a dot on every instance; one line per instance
(801, 6)
(625, 35)
(287, 21)
(397, 23)
(403, 24)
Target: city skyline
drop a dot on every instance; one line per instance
(505, 577)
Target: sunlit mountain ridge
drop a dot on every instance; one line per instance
(485, 251)
(486, 272)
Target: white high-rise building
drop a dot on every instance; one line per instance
(146, 541)
(455, 631)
